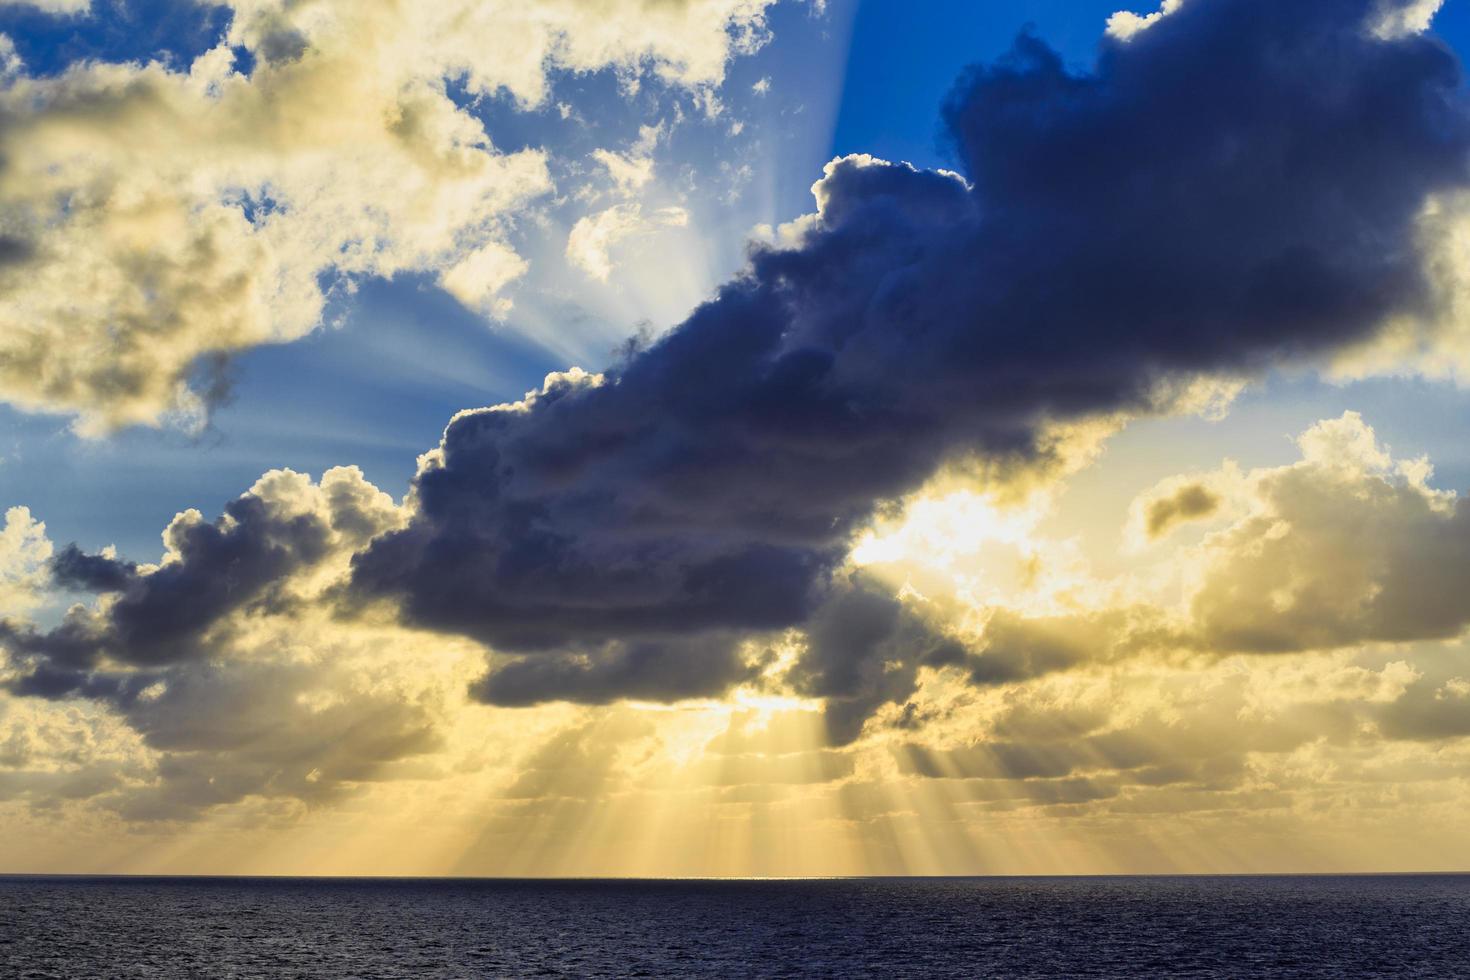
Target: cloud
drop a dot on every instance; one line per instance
(649, 670)
(1197, 730)
(682, 524)
(1391, 19)
(1156, 513)
(153, 217)
(863, 648)
(629, 173)
(1342, 552)
(24, 552)
(1015, 648)
(478, 278)
(593, 238)
(1428, 711)
(220, 672)
(1343, 548)
(1236, 187)
(1124, 24)
(294, 709)
(1189, 503)
(283, 722)
(261, 554)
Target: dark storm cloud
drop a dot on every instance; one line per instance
(1236, 185)
(161, 617)
(73, 568)
(232, 708)
(863, 649)
(15, 250)
(652, 670)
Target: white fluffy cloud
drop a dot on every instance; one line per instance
(1395, 18)
(1392, 18)
(1124, 24)
(151, 216)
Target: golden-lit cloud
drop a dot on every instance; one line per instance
(1347, 546)
(24, 550)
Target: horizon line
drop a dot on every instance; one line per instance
(142, 876)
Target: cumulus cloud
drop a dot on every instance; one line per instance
(1111, 711)
(1190, 502)
(1211, 200)
(1428, 710)
(1194, 729)
(1391, 19)
(218, 675)
(1220, 742)
(649, 669)
(1345, 547)
(632, 170)
(261, 554)
(629, 173)
(24, 552)
(152, 217)
(1124, 24)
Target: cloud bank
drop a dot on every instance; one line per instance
(1236, 186)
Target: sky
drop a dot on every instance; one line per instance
(733, 437)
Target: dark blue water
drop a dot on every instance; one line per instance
(1379, 926)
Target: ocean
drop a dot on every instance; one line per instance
(1333, 926)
